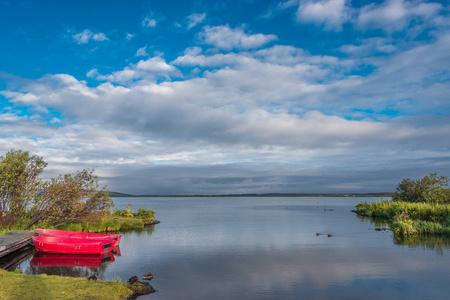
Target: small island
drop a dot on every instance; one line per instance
(418, 207)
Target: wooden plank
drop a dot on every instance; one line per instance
(14, 240)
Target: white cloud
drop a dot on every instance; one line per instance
(332, 14)
(129, 36)
(370, 46)
(142, 51)
(396, 15)
(86, 35)
(225, 38)
(195, 19)
(92, 73)
(151, 69)
(149, 22)
(287, 4)
(390, 15)
(270, 108)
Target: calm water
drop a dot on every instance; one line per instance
(267, 248)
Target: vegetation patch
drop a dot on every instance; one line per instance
(418, 207)
(19, 286)
(119, 220)
(27, 201)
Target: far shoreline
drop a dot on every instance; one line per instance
(385, 194)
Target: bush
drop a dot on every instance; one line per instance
(438, 195)
(362, 207)
(124, 213)
(128, 213)
(402, 225)
(430, 188)
(145, 213)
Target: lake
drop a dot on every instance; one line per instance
(270, 248)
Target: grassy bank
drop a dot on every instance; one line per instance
(119, 220)
(107, 224)
(408, 218)
(18, 286)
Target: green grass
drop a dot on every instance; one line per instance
(108, 224)
(410, 218)
(15, 285)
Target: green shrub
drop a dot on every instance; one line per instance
(437, 195)
(362, 207)
(128, 213)
(402, 225)
(145, 213)
(430, 188)
(124, 213)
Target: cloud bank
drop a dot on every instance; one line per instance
(241, 112)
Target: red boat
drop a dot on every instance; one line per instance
(80, 235)
(68, 245)
(42, 259)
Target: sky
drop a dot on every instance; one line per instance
(229, 97)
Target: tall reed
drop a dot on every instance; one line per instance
(410, 218)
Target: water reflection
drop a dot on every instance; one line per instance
(69, 265)
(11, 261)
(42, 259)
(375, 222)
(437, 243)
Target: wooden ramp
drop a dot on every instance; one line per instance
(11, 261)
(14, 240)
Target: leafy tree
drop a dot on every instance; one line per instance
(431, 188)
(70, 198)
(26, 200)
(437, 195)
(19, 185)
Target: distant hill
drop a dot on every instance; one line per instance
(116, 194)
(387, 194)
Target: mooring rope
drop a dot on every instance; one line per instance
(6, 238)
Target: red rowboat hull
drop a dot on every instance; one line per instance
(66, 245)
(81, 235)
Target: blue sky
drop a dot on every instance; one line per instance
(218, 97)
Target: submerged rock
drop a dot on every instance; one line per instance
(139, 288)
(133, 279)
(154, 222)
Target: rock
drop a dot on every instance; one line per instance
(154, 222)
(93, 277)
(329, 235)
(149, 276)
(139, 288)
(133, 279)
(381, 229)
